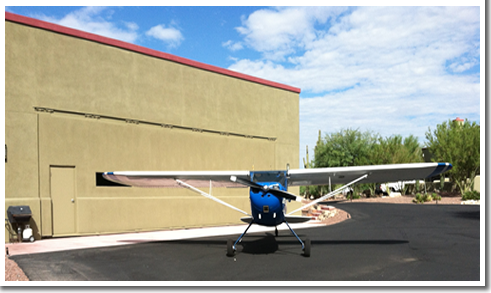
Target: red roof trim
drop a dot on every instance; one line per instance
(123, 45)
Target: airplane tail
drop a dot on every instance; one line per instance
(289, 219)
(297, 219)
(247, 220)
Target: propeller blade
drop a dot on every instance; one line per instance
(285, 194)
(247, 183)
(277, 192)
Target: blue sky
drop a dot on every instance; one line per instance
(390, 70)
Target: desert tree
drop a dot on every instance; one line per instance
(457, 143)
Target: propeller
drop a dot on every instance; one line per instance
(254, 185)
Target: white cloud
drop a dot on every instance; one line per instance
(96, 20)
(281, 31)
(388, 69)
(131, 26)
(233, 46)
(89, 19)
(169, 35)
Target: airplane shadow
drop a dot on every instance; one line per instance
(268, 244)
(271, 244)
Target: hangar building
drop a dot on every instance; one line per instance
(78, 104)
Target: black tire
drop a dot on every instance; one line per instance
(276, 231)
(230, 248)
(306, 250)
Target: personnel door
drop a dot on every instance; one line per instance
(62, 182)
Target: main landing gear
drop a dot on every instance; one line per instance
(305, 246)
(231, 245)
(306, 249)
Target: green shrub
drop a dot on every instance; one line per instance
(419, 198)
(355, 196)
(471, 195)
(427, 197)
(436, 196)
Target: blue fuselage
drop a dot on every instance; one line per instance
(268, 209)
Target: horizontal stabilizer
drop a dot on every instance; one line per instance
(297, 219)
(246, 219)
(289, 219)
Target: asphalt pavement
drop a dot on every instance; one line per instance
(380, 242)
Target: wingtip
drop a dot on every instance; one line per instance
(448, 166)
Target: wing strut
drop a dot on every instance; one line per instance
(209, 196)
(329, 194)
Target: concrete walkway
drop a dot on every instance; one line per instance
(82, 242)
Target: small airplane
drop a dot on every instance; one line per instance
(268, 189)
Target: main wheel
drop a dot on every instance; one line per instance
(276, 231)
(306, 250)
(230, 247)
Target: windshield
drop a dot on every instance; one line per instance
(270, 176)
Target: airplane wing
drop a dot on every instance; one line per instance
(296, 177)
(376, 173)
(168, 178)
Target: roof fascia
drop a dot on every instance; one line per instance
(142, 50)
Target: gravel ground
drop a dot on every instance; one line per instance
(14, 273)
(409, 199)
(342, 215)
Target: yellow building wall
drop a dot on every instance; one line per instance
(70, 102)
